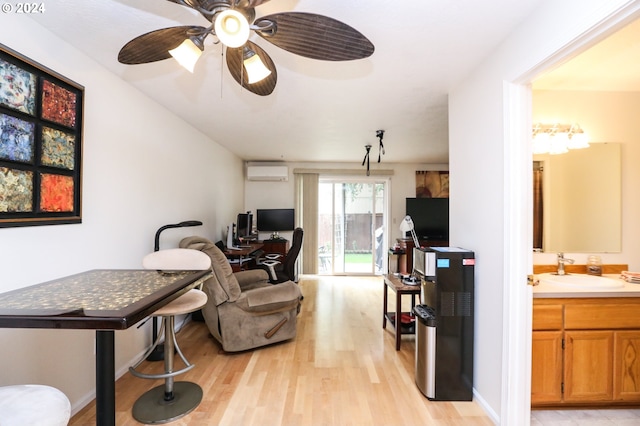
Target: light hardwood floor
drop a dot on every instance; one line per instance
(341, 369)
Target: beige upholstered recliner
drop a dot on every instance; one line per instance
(244, 311)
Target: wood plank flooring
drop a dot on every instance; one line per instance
(341, 369)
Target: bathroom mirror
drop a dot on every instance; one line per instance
(581, 200)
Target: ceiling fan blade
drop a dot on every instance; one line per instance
(250, 3)
(155, 45)
(316, 36)
(235, 64)
(191, 3)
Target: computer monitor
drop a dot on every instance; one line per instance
(244, 224)
(275, 220)
(430, 217)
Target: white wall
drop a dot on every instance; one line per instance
(606, 117)
(480, 207)
(143, 168)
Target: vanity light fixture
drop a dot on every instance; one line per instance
(558, 138)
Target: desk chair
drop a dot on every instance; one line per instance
(22, 405)
(172, 400)
(284, 270)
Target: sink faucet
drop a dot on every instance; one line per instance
(561, 261)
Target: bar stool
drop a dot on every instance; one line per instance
(172, 400)
(33, 405)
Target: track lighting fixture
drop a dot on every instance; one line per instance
(380, 135)
(366, 158)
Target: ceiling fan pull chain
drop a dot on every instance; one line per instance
(221, 69)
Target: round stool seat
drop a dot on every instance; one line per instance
(34, 405)
(189, 302)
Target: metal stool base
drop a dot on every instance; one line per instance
(151, 408)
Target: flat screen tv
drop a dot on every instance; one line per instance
(275, 220)
(430, 217)
(245, 224)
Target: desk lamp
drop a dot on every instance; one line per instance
(407, 226)
(158, 352)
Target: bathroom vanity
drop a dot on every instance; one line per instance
(586, 343)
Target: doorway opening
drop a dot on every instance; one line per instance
(352, 218)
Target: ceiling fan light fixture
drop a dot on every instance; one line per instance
(232, 28)
(187, 54)
(256, 70)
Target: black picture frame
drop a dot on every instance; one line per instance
(41, 137)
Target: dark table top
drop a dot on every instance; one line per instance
(243, 250)
(110, 299)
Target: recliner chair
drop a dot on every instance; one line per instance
(285, 269)
(244, 311)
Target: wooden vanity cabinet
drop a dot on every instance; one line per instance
(588, 363)
(626, 366)
(585, 352)
(546, 354)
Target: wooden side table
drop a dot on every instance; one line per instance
(394, 283)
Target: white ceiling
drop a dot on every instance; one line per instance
(319, 111)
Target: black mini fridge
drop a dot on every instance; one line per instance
(444, 323)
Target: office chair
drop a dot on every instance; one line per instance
(33, 405)
(172, 400)
(284, 270)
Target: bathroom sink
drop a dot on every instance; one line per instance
(581, 281)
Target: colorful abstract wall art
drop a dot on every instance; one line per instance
(16, 139)
(40, 144)
(18, 88)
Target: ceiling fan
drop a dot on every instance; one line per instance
(232, 21)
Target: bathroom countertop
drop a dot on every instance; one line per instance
(546, 290)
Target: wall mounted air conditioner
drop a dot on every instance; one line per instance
(268, 173)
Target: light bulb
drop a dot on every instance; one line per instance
(187, 54)
(232, 28)
(256, 70)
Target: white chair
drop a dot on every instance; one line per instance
(172, 400)
(33, 405)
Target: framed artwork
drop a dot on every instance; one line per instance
(432, 184)
(40, 144)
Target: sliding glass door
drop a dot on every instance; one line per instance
(351, 224)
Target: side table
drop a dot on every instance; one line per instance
(394, 283)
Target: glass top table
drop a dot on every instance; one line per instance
(103, 300)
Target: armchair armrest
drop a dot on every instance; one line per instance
(274, 298)
(252, 278)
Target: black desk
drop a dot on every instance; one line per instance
(241, 255)
(101, 300)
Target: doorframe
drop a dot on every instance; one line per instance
(518, 253)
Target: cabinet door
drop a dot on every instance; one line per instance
(546, 367)
(626, 376)
(276, 246)
(588, 372)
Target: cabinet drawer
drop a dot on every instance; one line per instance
(547, 317)
(600, 317)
